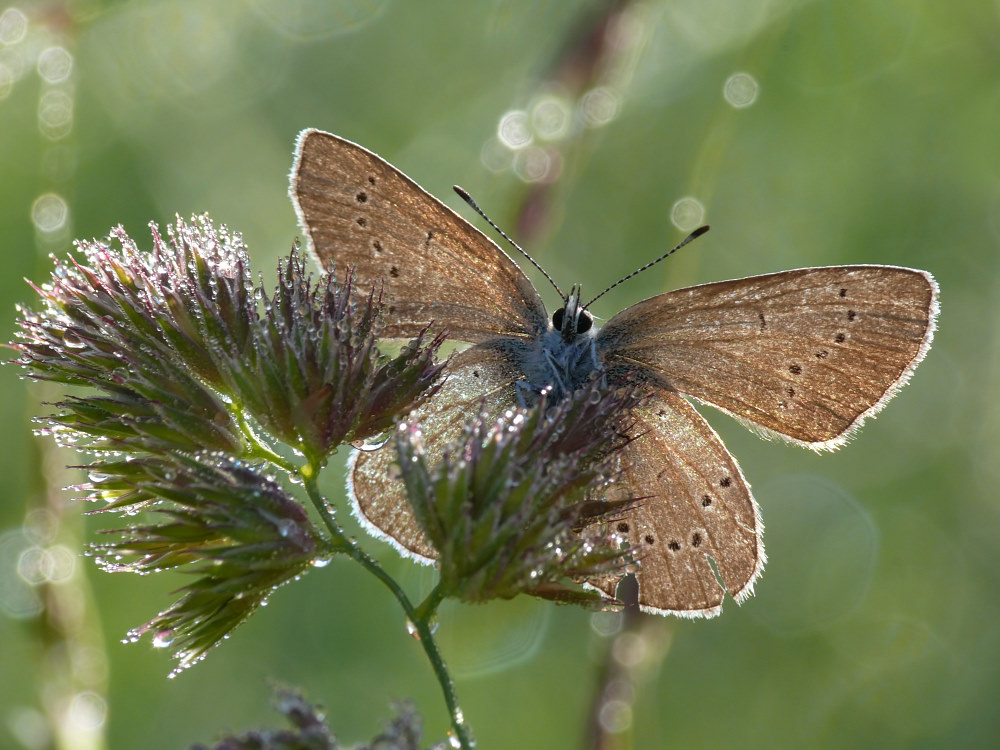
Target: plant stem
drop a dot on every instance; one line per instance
(257, 448)
(420, 618)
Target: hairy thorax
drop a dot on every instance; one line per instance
(558, 366)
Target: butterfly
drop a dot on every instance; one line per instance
(806, 355)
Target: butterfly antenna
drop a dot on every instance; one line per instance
(695, 234)
(475, 206)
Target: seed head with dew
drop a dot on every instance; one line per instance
(215, 518)
(183, 346)
(516, 506)
(196, 377)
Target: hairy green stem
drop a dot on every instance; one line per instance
(420, 618)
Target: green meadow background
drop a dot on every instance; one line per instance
(805, 133)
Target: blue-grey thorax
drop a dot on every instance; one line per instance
(564, 357)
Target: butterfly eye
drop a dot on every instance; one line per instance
(583, 323)
(557, 318)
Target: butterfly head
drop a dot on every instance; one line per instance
(572, 320)
(564, 357)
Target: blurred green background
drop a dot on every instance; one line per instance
(806, 133)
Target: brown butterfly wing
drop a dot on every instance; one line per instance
(478, 378)
(358, 209)
(694, 505)
(806, 354)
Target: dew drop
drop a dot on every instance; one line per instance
(599, 106)
(411, 628)
(514, 129)
(551, 117)
(72, 341)
(615, 716)
(607, 623)
(740, 90)
(13, 26)
(536, 164)
(49, 213)
(687, 214)
(55, 114)
(55, 64)
(375, 444)
(495, 156)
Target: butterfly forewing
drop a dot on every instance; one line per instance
(693, 505)
(359, 210)
(480, 378)
(806, 354)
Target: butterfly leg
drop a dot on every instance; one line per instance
(522, 387)
(555, 372)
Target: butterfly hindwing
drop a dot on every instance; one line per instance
(478, 378)
(359, 210)
(693, 505)
(806, 354)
